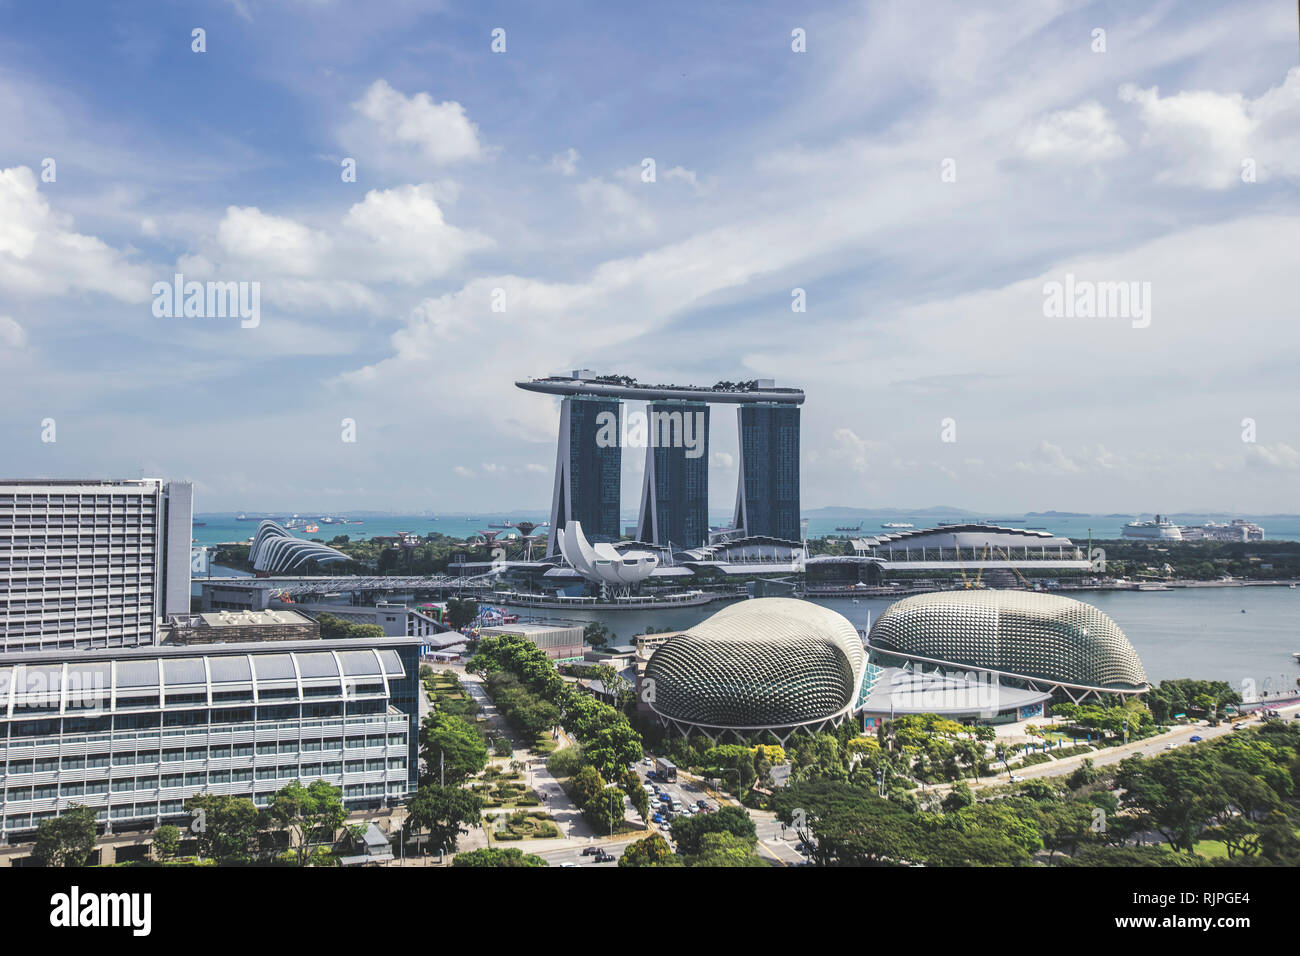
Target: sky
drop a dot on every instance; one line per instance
(926, 179)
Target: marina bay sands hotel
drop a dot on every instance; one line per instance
(675, 490)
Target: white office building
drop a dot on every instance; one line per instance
(92, 563)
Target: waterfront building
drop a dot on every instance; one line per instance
(602, 564)
(767, 493)
(675, 485)
(134, 732)
(588, 472)
(588, 469)
(767, 664)
(88, 563)
(1044, 642)
(276, 551)
(978, 553)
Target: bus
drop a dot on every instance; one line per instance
(667, 770)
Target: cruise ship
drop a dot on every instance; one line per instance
(898, 524)
(1161, 529)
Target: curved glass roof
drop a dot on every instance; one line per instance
(1024, 633)
(766, 662)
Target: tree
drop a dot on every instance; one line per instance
(688, 832)
(452, 749)
(226, 827)
(491, 856)
(443, 811)
(1177, 794)
(847, 824)
(333, 627)
(604, 811)
(596, 634)
(636, 793)
(586, 784)
(165, 841)
(308, 813)
(958, 797)
(461, 612)
(725, 850)
(651, 851)
(66, 840)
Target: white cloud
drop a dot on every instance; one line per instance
(1277, 456)
(12, 335)
(613, 210)
(1049, 459)
(1083, 134)
(41, 254)
(1203, 136)
(439, 132)
(566, 163)
(392, 235)
(856, 451)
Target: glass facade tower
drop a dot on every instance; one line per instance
(767, 497)
(675, 489)
(588, 468)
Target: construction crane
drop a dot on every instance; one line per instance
(1023, 580)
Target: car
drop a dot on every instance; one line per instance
(563, 865)
(647, 788)
(648, 762)
(590, 850)
(1171, 746)
(1196, 738)
(692, 810)
(702, 804)
(664, 826)
(603, 857)
(658, 818)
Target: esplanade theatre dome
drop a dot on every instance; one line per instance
(764, 663)
(1040, 637)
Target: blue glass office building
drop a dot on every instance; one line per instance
(767, 496)
(675, 489)
(588, 468)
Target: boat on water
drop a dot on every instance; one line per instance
(505, 525)
(845, 527)
(311, 528)
(243, 517)
(1159, 529)
(898, 524)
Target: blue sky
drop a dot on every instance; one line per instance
(520, 171)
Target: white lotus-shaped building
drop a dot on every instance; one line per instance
(601, 563)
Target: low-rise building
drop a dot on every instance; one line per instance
(561, 642)
(135, 732)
